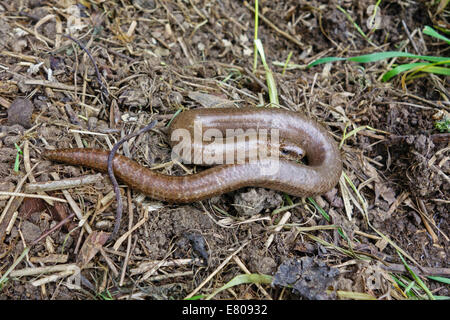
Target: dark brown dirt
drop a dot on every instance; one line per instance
(180, 51)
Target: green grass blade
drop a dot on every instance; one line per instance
(285, 208)
(401, 68)
(353, 295)
(325, 60)
(17, 162)
(176, 113)
(197, 297)
(427, 67)
(106, 295)
(260, 49)
(416, 278)
(392, 243)
(443, 125)
(408, 289)
(397, 280)
(4, 277)
(287, 62)
(437, 70)
(377, 56)
(273, 93)
(326, 216)
(255, 56)
(440, 279)
(433, 33)
(357, 27)
(321, 211)
(351, 133)
(241, 279)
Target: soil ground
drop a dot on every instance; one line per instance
(157, 57)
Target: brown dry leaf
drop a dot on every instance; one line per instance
(74, 21)
(309, 277)
(370, 170)
(381, 189)
(30, 206)
(60, 211)
(50, 258)
(370, 277)
(7, 186)
(20, 112)
(209, 100)
(441, 6)
(8, 87)
(94, 242)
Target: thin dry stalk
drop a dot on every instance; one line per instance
(63, 184)
(212, 274)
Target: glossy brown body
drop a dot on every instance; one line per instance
(320, 175)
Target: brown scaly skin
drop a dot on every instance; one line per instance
(319, 176)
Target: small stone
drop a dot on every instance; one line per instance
(145, 4)
(92, 123)
(255, 200)
(20, 112)
(30, 231)
(103, 225)
(266, 265)
(176, 98)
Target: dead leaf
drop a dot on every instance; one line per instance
(385, 192)
(20, 112)
(94, 242)
(209, 100)
(30, 206)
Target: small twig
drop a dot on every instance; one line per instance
(63, 184)
(42, 270)
(425, 217)
(57, 226)
(28, 15)
(73, 205)
(258, 81)
(27, 195)
(244, 268)
(220, 267)
(147, 266)
(27, 166)
(103, 88)
(423, 271)
(129, 232)
(30, 31)
(410, 37)
(128, 251)
(25, 251)
(119, 54)
(278, 228)
(113, 178)
(432, 166)
(274, 27)
(170, 275)
(441, 137)
(109, 262)
(18, 187)
(50, 84)
(436, 138)
(185, 50)
(437, 105)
